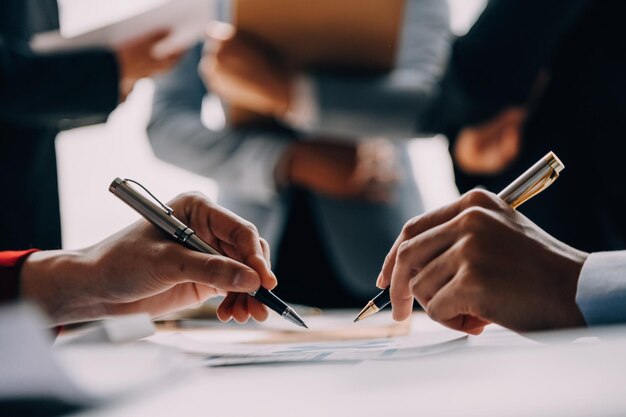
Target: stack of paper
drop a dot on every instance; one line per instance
(331, 337)
(187, 19)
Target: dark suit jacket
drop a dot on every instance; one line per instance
(581, 113)
(40, 95)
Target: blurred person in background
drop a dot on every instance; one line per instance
(532, 76)
(330, 206)
(42, 94)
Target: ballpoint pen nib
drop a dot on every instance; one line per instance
(293, 317)
(369, 310)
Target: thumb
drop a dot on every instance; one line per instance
(216, 271)
(220, 31)
(157, 36)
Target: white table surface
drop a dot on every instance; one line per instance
(499, 373)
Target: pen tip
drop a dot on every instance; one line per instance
(369, 310)
(293, 317)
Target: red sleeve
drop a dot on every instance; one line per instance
(10, 264)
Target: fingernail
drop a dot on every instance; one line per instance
(220, 30)
(246, 279)
(379, 281)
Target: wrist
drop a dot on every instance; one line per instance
(302, 112)
(58, 282)
(283, 99)
(568, 273)
(298, 164)
(126, 80)
(282, 170)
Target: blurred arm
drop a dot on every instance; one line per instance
(241, 159)
(496, 64)
(387, 104)
(601, 294)
(53, 87)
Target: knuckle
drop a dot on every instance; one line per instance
(479, 198)
(214, 268)
(404, 251)
(410, 226)
(469, 245)
(189, 198)
(432, 311)
(245, 230)
(473, 219)
(160, 252)
(471, 280)
(417, 287)
(387, 259)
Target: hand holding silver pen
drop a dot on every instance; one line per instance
(241, 243)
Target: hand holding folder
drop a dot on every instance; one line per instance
(285, 37)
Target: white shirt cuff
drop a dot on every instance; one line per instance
(303, 111)
(601, 293)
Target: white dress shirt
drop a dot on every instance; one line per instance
(601, 293)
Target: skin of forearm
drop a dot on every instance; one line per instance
(59, 282)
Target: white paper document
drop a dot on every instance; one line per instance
(240, 347)
(187, 19)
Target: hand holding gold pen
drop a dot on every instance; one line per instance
(533, 181)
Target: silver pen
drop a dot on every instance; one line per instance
(162, 217)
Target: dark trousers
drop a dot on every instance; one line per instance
(305, 273)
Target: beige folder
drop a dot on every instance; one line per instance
(354, 36)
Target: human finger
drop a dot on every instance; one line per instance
(266, 251)
(257, 310)
(434, 276)
(225, 309)
(453, 307)
(412, 256)
(178, 264)
(148, 39)
(412, 228)
(220, 31)
(231, 252)
(419, 224)
(240, 309)
(215, 224)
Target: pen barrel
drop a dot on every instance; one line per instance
(383, 299)
(533, 181)
(154, 214)
(270, 299)
(194, 242)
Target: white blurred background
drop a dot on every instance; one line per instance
(90, 158)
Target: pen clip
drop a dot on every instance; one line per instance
(549, 178)
(165, 207)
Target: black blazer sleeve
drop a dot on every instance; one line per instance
(497, 62)
(57, 87)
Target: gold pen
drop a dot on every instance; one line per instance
(536, 179)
